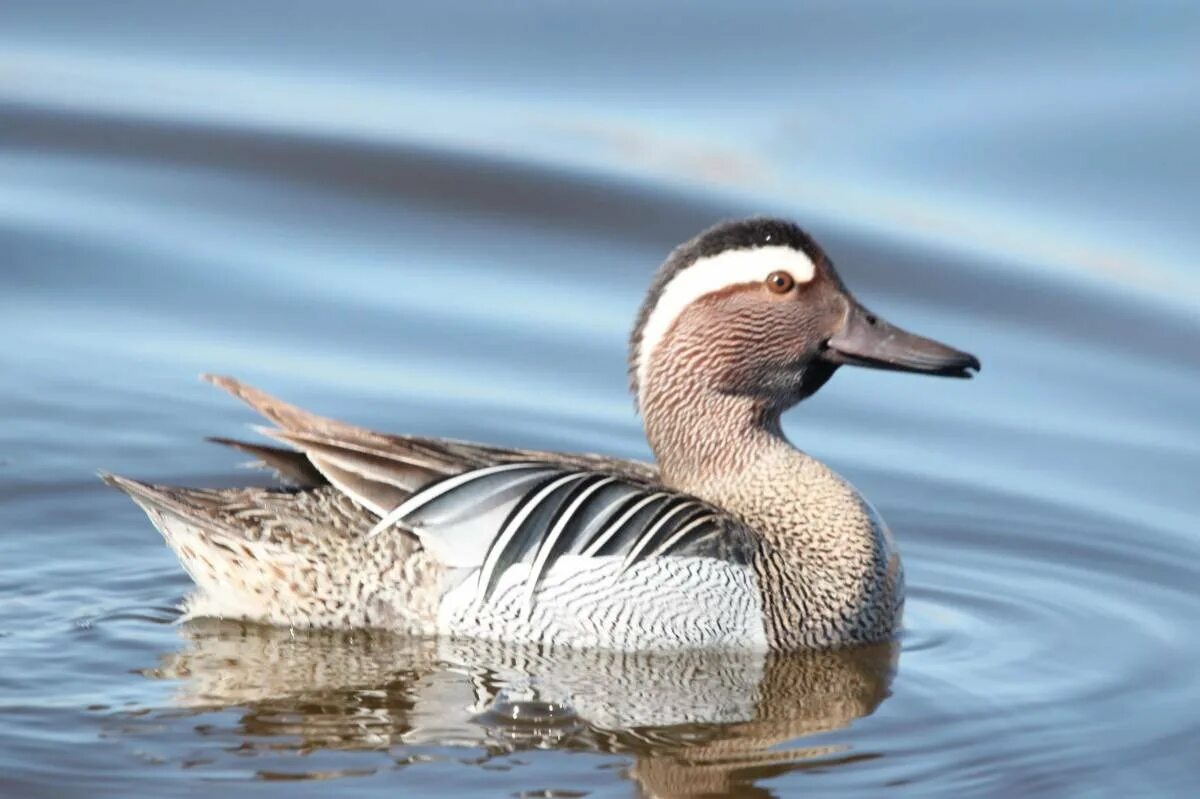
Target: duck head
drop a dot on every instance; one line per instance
(755, 309)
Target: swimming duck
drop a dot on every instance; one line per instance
(734, 539)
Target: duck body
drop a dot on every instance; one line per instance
(734, 539)
(305, 556)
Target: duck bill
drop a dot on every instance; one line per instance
(867, 340)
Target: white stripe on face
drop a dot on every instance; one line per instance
(708, 275)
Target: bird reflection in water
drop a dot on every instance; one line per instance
(694, 723)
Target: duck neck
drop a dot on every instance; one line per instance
(702, 439)
(826, 563)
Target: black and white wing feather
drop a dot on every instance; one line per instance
(536, 513)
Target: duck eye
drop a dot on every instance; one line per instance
(780, 282)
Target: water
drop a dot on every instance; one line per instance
(440, 220)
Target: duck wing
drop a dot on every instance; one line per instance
(489, 509)
(535, 514)
(380, 470)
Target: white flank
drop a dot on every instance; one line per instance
(708, 275)
(661, 603)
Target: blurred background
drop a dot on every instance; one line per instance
(440, 219)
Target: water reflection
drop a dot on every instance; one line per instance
(695, 723)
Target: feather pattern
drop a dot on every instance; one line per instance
(550, 545)
(546, 512)
(522, 530)
(459, 481)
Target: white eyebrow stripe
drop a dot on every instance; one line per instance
(708, 275)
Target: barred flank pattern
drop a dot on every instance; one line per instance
(661, 603)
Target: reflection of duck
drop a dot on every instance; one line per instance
(695, 721)
(736, 539)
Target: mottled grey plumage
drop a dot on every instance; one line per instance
(736, 538)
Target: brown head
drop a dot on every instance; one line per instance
(752, 314)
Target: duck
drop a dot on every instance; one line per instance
(733, 538)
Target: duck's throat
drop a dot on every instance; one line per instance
(703, 439)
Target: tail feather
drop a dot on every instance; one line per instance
(209, 509)
(226, 570)
(280, 556)
(409, 456)
(286, 415)
(400, 467)
(291, 466)
(153, 497)
(371, 467)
